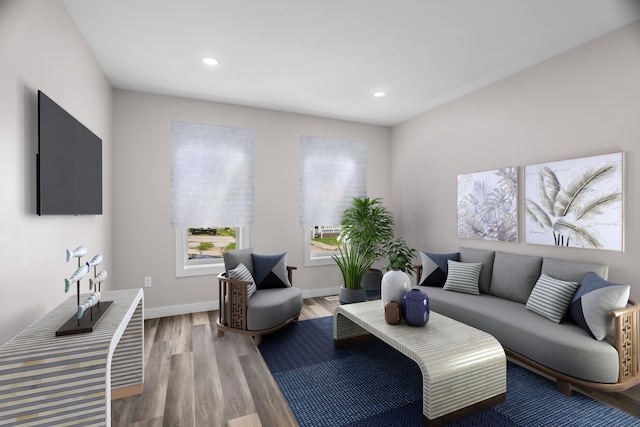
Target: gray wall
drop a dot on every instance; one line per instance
(143, 239)
(40, 48)
(584, 102)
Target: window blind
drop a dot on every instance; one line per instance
(332, 172)
(212, 177)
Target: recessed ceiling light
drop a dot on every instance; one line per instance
(210, 61)
(379, 94)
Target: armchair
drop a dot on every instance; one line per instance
(256, 294)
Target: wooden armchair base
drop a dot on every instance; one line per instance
(256, 335)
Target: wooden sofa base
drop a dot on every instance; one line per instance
(257, 335)
(566, 382)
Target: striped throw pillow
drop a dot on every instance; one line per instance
(551, 297)
(242, 273)
(463, 277)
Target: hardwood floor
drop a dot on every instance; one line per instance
(194, 378)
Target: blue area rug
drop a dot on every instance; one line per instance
(371, 384)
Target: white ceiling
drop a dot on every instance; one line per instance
(327, 57)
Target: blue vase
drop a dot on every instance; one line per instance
(415, 307)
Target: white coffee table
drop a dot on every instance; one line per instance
(463, 368)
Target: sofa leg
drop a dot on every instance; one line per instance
(257, 340)
(220, 333)
(565, 388)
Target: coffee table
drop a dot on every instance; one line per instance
(463, 368)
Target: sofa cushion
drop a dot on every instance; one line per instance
(463, 277)
(240, 256)
(485, 257)
(514, 276)
(573, 271)
(270, 271)
(435, 267)
(550, 297)
(242, 273)
(268, 308)
(564, 346)
(593, 301)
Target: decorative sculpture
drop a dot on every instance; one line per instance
(100, 277)
(93, 299)
(76, 276)
(80, 323)
(78, 252)
(95, 261)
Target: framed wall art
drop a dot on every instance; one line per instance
(488, 205)
(576, 203)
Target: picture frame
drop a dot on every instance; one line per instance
(576, 203)
(487, 205)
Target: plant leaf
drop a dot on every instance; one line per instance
(538, 215)
(577, 234)
(548, 188)
(594, 207)
(578, 189)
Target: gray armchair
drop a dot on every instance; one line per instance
(256, 294)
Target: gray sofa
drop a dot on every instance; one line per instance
(563, 350)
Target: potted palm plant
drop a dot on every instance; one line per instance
(353, 264)
(367, 226)
(396, 280)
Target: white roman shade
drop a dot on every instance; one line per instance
(211, 176)
(332, 172)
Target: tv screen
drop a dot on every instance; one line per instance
(69, 163)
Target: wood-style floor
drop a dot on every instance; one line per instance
(194, 378)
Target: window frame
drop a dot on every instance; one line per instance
(203, 267)
(318, 260)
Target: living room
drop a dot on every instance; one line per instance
(580, 103)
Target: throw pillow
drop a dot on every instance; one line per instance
(485, 257)
(550, 297)
(241, 256)
(270, 271)
(241, 273)
(593, 301)
(463, 277)
(435, 267)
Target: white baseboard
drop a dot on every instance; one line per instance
(176, 310)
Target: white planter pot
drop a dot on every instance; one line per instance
(394, 284)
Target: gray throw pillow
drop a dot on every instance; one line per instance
(240, 256)
(514, 276)
(484, 257)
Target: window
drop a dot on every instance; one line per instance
(211, 194)
(321, 242)
(199, 250)
(332, 172)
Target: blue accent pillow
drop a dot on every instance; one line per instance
(435, 268)
(592, 302)
(270, 271)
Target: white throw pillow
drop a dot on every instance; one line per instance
(242, 273)
(550, 297)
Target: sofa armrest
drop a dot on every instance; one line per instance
(627, 327)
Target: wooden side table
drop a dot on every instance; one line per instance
(71, 380)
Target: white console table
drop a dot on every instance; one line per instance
(70, 380)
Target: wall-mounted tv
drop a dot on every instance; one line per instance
(69, 163)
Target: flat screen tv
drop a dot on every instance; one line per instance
(69, 163)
